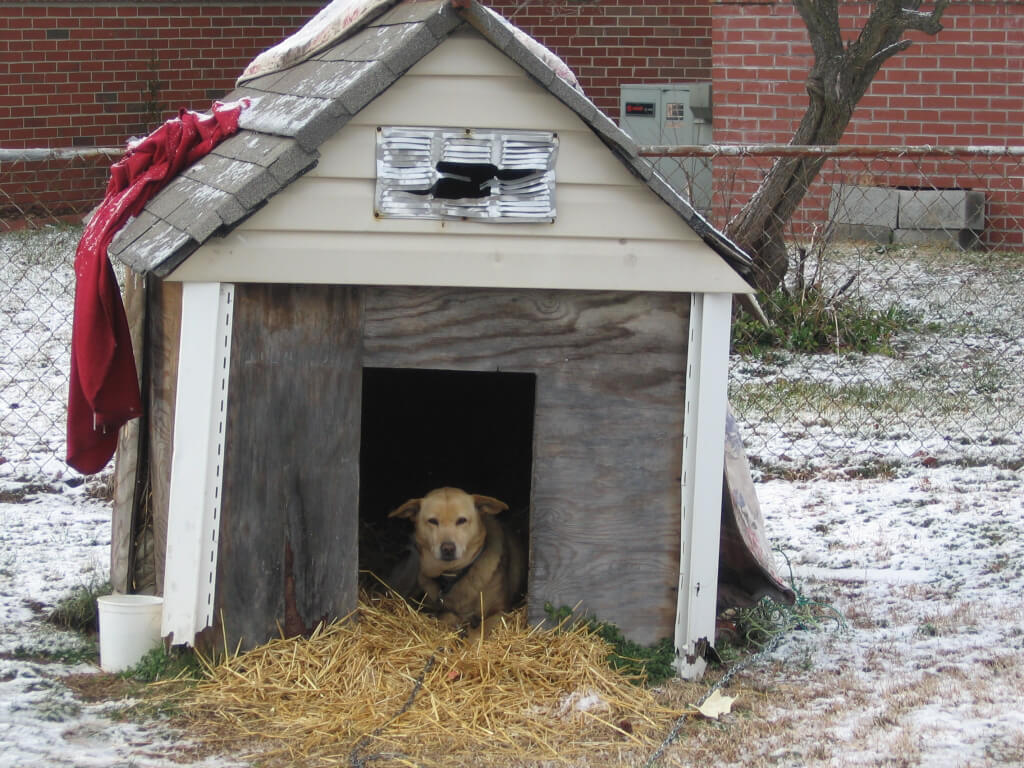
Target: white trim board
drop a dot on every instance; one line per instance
(703, 465)
(480, 261)
(200, 420)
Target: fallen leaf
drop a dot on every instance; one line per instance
(716, 704)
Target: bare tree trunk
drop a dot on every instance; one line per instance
(839, 78)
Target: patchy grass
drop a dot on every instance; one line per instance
(86, 652)
(77, 610)
(783, 396)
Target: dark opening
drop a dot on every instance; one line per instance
(424, 429)
(459, 181)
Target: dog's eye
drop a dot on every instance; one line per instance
(461, 521)
(432, 521)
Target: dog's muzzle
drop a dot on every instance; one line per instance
(448, 550)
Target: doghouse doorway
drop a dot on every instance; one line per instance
(423, 429)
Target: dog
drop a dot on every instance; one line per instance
(471, 568)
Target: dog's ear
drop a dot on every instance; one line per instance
(487, 505)
(409, 510)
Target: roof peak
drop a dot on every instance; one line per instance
(295, 109)
(340, 19)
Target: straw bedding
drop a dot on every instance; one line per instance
(393, 687)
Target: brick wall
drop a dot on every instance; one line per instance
(611, 42)
(964, 86)
(82, 74)
(88, 73)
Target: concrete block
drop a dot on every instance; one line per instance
(874, 206)
(965, 239)
(865, 233)
(942, 209)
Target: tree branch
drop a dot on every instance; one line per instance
(837, 81)
(922, 21)
(890, 51)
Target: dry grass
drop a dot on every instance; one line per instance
(524, 694)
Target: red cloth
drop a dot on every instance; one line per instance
(104, 388)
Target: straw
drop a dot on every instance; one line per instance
(390, 686)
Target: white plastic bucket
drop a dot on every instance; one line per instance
(129, 628)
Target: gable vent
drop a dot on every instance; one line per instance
(448, 173)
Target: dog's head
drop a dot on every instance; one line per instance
(448, 524)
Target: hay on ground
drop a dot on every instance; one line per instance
(391, 686)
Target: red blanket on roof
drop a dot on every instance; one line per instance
(104, 388)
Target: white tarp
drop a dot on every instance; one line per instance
(329, 26)
(343, 17)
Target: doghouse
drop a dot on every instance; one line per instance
(427, 259)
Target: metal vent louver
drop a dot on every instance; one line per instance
(447, 173)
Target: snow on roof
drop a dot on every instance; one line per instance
(331, 25)
(341, 18)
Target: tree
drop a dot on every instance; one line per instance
(838, 79)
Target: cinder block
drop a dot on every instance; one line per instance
(873, 206)
(965, 239)
(866, 233)
(951, 209)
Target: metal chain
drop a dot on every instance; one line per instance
(673, 734)
(356, 760)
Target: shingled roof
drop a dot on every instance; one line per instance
(294, 111)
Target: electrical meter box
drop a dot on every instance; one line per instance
(673, 114)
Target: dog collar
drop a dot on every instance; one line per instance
(448, 579)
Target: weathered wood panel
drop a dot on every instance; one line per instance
(128, 472)
(164, 337)
(605, 521)
(287, 550)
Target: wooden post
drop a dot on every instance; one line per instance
(703, 459)
(127, 463)
(197, 461)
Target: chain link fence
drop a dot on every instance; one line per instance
(44, 195)
(898, 335)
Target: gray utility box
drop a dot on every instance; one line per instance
(673, 114)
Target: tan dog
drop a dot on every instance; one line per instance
(470, 568)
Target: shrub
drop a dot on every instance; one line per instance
(807, 315)
(815, 321)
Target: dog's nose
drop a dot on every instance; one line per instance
(448, 550)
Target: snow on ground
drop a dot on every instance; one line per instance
(924, 558)
(51, 543)
(928, 568)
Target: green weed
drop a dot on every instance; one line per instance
(816, 321)
(759, 624)
(160, 664)
(814, 312)
(648, 665)
(77, 610)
